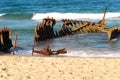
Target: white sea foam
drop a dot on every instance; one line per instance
(78, 16)
(2, 14)
(90, 53)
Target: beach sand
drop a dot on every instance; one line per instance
(16, 67)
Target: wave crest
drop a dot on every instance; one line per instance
(78, 16)
(2, 14)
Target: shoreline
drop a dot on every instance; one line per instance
(17, 67)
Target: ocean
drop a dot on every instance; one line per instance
(23, 15)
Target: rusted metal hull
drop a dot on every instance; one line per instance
(45, 30)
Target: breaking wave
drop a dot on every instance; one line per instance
(78, 16)
(2, 14)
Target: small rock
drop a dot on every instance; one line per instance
(28, 77)
(4, 68)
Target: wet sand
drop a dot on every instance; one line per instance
(58, 68)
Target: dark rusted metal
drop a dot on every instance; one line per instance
(5, 39)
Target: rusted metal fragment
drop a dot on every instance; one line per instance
(48, 51)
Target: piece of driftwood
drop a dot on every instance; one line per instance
(48, 51)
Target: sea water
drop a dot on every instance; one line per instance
(23, 15)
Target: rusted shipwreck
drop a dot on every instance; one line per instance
(5, 39)
(45, 30)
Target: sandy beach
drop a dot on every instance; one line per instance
(58, 68)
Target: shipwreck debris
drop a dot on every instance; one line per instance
(44, 30)
(15, 41)
(5, 39)
(91, 27)
(48, 51)
(113, 32)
